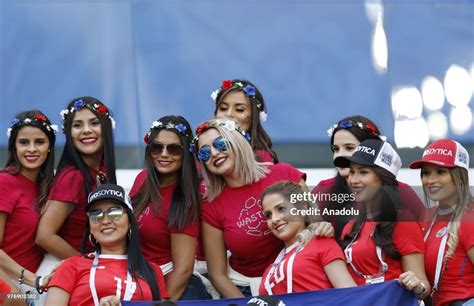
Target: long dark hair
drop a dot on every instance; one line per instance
(259, 140)
(340, 185)
(185, 202)
(136, 262)
(389, 206)
(13, 165)
(70, 155)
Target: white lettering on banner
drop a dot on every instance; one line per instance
(252, 220)
(444, 152)
(366, 150)
(106, 192)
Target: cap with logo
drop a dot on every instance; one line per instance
(372, 153)
(445, 153)
(265, 300)
(109, 192)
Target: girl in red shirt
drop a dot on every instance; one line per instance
(243, 102)
(24, 186)
(116, 270)
(166, 200)
(307, 262)
(448, 232)
(87, 160)
(377, 247)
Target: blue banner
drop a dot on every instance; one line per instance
(387, 293)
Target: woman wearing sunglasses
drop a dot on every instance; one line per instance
(232, 216)
(116, 270)
(87, 160)
(377, 246)
(307, 262)
(241, 101)
(24, 187)
(449, 230)
(166, 200)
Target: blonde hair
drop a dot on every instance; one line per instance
(286, 189)
(460, 179)
(246, 166)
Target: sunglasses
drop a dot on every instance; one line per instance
(157, 148)
(220, 143)
(114, 213)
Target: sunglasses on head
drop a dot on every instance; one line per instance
(220, 143)
(157, 148)
(114, 213)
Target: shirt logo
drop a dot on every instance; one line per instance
(252, 220)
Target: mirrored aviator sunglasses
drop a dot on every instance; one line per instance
(113, 213)
(220, 143)
(157, 148)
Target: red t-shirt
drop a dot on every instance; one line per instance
(155, 233)
(408, 198)
(73, 277)
(457, 278)
(239, 214)
(308, 267)
(406, 237)
(68, 187)
(18, 201)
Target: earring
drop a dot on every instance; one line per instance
(129, 235)
(49, 150)
(92, 240)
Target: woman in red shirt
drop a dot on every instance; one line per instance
(116, 270)
(448, 232)
(24, 186)
(377, 246)
(307, 262)
(243, 102)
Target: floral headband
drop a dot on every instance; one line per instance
(180, 128)
(249, 90)
(347, 124)
(229, 125)
(38, 119)
(98, 109)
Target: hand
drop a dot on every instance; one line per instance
(110, 300)
(411, 282)
(47, 278)
(324, 229)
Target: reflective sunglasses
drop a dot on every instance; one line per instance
(114, 213)
(157, 148)
(220, 143)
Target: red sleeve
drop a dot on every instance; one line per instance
(160, 280)
(328, 250)
(294, 174)
(141, 177)
(8, 197)
(65, 276)
(408, 238)
(210, 214)
(190, 229)
(68, 186)
(347, 229)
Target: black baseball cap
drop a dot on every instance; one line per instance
(372, 153)
(265, 300)
(109, 192)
